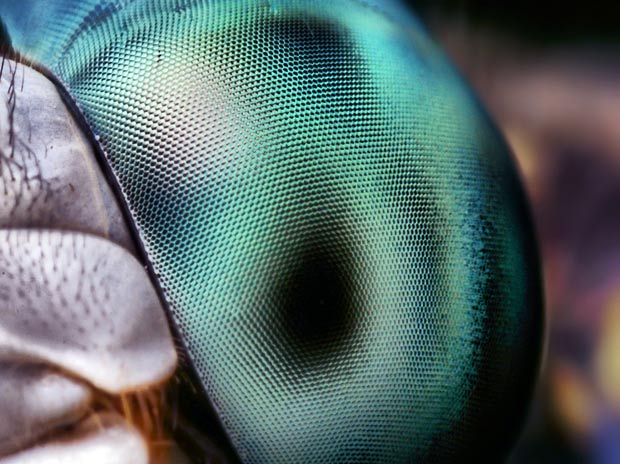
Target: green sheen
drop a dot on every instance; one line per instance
(266, 147)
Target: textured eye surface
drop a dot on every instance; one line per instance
(335, 225)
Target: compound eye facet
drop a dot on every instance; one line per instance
(337, 228)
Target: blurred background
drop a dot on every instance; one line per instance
(549, 73)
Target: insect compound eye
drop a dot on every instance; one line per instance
(336, 226)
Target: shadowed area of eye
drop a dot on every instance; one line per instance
(5, 40)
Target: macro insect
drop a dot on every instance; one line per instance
(300, 200)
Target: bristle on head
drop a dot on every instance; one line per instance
(148, 412)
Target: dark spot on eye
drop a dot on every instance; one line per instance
(316, 306)
(316, 302)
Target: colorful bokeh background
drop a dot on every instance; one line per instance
(549, 73)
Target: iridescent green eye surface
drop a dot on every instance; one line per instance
(336, 226)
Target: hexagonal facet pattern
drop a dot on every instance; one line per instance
(336, 226)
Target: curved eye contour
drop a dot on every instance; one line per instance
(337, 228)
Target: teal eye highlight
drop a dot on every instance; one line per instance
(335, 225)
